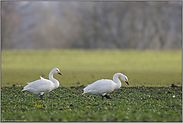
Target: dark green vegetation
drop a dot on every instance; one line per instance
(67, 104)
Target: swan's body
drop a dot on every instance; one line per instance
(41, 86)
(105, 86)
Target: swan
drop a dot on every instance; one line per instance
(42, 85)
(105, 86)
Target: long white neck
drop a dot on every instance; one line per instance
(55, 82)
(117, 80)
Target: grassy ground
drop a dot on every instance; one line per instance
(149, 96)
(160, 104)
(149, 68)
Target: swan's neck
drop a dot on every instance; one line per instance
(117, 81)
(55, 82)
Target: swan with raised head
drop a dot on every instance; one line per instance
(41, 86)
(104, 86)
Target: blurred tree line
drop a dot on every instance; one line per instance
(89, 25)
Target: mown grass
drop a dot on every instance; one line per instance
(149, 68)
(67, 104)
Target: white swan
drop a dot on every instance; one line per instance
(105, 86)
(42, 85)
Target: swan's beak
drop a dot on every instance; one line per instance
(59, 73)
(127, 82)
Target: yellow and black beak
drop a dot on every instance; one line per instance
(59, 73)
(127, 82)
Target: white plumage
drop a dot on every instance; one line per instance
(105, 86)
(41, 86)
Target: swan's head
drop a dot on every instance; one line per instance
(124, 78)
(56, 70)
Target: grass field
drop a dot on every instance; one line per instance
(160, 104)
(149, 68)
(149, 96)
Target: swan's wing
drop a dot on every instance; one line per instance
(100, 87)
(38, 86)
(42, 78)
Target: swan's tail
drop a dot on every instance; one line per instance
(84, 89)
(23, 90)
(26, 87)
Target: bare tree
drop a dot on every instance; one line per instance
(10, 25)
(123, 25)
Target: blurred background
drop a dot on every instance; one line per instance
(91, 25)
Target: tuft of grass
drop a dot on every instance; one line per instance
(66, 104)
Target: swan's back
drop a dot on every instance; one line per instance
(100, 87)
(39, 86)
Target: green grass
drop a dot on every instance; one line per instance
(156, 70)
(67, 104)
(149, 68)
